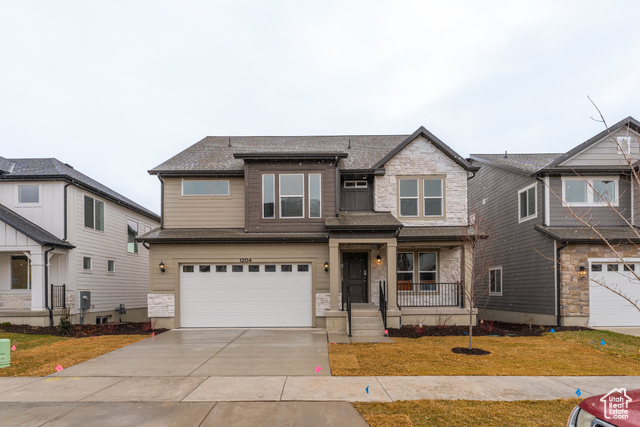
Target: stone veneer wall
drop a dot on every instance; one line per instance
(422, 158)
(15, 301)
(574, 292)
(161, 305)
(323, 302)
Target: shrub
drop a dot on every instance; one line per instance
(64, 327)
(5, 324)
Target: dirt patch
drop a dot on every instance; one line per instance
(470, 351)
(482, 330)
(83, 331)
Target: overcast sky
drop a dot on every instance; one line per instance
(115, 88)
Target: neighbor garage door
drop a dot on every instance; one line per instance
(607, 308)
(245, 295)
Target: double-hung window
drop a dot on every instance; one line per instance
(495, 281)
(93, 213)
(292, 195)
(590, 191)
(428, 271)
(527, 207)
(404, 271)
(421, 197)
(132, 233)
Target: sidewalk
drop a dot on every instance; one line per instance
(303, 388)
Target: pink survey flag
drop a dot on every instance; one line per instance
(59, 368)
(13, 348)
(318, 369)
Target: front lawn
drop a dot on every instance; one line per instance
(560, 353)
(38, 355)
(467, 413)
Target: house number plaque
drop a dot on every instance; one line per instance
(245, 260)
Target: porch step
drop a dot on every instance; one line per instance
(367, 326)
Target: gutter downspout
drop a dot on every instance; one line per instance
(558, 278)
(46, 285)
(161, 202)
(337, 178)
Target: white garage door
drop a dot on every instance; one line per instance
(607, 308)
(245, 295)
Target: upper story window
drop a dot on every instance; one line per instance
(132, 233)
(315, 195)
(268, 196)
(28, 194)
(355, 184)
(527, 207)
(495, 281)
(590, 191)
(624, 145)
(205, 188)
(291, 196)
(93, 213)
(421, 197)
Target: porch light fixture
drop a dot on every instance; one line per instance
(583, 272)
(326, 266)
(162, 267)
(378, 260)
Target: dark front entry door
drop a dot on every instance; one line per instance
(355, 275)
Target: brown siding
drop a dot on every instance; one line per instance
(203, 211)
(253, 196)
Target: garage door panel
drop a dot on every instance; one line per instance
(606, 307)
(246, 299)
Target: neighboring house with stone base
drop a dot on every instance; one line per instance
(63, 236)
(276, 231)
(545, 264)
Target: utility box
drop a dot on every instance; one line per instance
(5, 353)
(85, 300)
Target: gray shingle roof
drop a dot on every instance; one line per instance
(5, 165)
(450, 233)
(364, 152)
(54, 169)
(362, 221)
(587, 235)
(31, 230)
(524, 162)
(223, 235)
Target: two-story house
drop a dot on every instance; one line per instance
(547, 266)
(64, 236)
(272, 231)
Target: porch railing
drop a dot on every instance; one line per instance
(54, 299)
(428, 294)
(349, 308)
(383, 302)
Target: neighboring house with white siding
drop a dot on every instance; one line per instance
(546, 265)
(60, 227)
(277, 231)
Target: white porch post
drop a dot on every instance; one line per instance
(37, 279)
(392, 256)
(334, 275)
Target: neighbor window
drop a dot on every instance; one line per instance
(495, 281)
(205, 188)
(93, 213)
(624, 145)
(428, 271)
(86, 263)
(590, 191)
(111, 266)
(404, 271)
(314, 195)
(132, 233)
(408, 197)
(527, 203)
(28, 194)
(291, 196)
(268, 196)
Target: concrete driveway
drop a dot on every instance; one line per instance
(215, 352)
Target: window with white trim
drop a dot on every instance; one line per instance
(291, 195)
(624, 145)
(315, 195)
(205, 188)
(111, 266)
(268, 196)
(355, 184)
(590, 191)
(495, 281)
(86, 263)
(28, 194)
(527, 203)
(132, 233)
(93, 213)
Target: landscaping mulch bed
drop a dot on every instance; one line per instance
(470, 351)
(83, 331)
(482, 330)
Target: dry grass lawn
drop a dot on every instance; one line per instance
(38, 355)
(567, 353)
(467, 413)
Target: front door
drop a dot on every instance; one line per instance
(355, 275)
